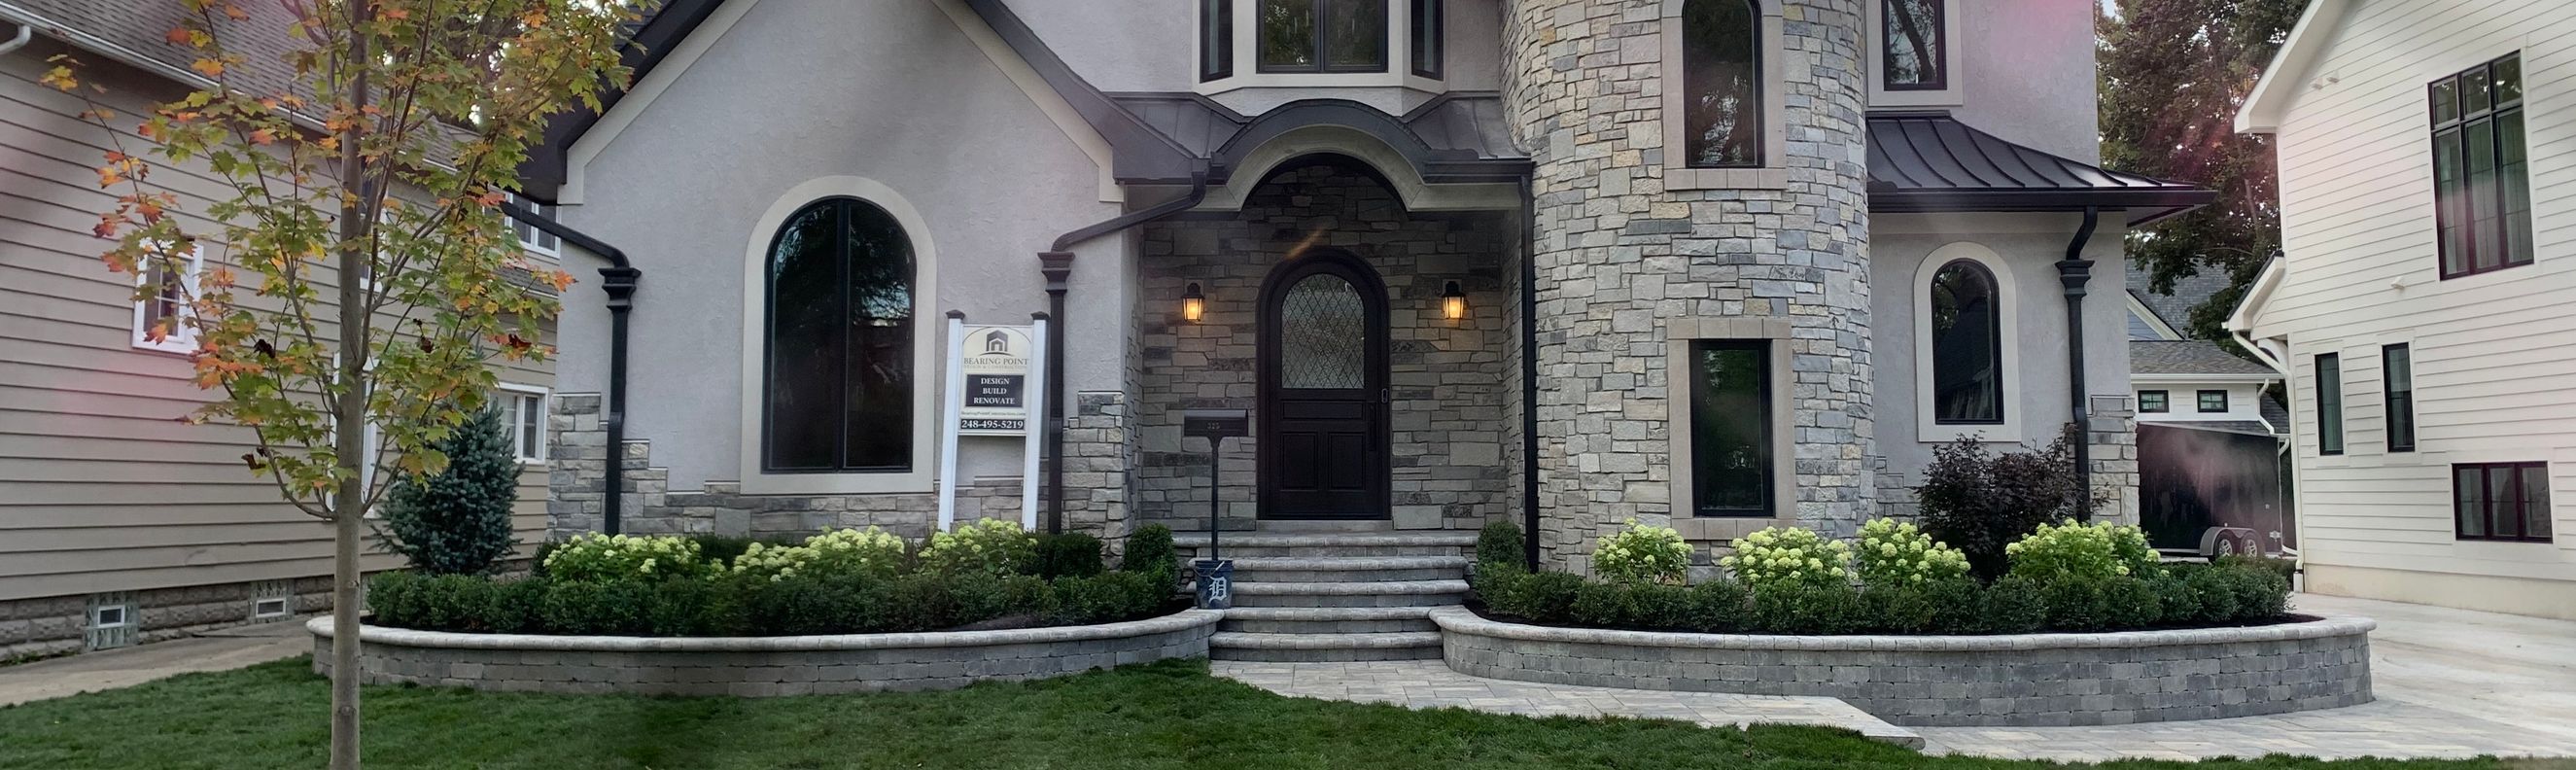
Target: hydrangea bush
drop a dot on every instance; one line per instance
(592, 556)
(1898, 553)
(1777, 556)
(1642, 553)
(2075, 550)
(995, 546)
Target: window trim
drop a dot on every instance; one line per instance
(928, 376)
(1941, 28)
(537, 245)
(2007, 309)
(1952, 93)
(2164, 402)
(2392, 412)
(2441, 212)
(1774, 172)
(2520, 469)
(1323, 43)
(516, 391)
(182, 337)
(2318, 365)
(1684, 333)
(2201, 397)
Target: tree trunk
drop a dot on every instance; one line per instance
(349, 439)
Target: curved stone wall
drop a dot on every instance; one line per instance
(2015, 680)
(1633, 251)
(762, 666)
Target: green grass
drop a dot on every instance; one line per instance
(1166, 715)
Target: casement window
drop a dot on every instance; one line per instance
(1722, 83)
(1914, 45)
(2397, 378)
(2329, 404)
(1731, 442)
(2500, 501)
(2213, 401)
(1430, 23)
(2154, 402)
(163, 315)
(1322, 35)
(1216, 39)
(1967, 345)
(523, 415)
(531, 238)
(2481, 190)
(838, 390)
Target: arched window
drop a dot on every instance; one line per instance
(1721, 82)
(1967, 345)
(839, 344)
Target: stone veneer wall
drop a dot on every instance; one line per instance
(1449, 379)
(49, 626)
(2010, 680)
(752, 667)
(1620, 257)
(1095, 487)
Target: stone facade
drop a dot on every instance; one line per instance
(754, 667)
(2009, 680)
(1096, 442)
(1449, 379)
(33, 628)
(1621, 255)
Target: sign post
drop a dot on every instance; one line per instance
(996, 387)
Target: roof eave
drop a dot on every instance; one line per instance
(2162, 203)
(2271, 95)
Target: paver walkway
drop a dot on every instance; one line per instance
(1423, 684)
(214, 651)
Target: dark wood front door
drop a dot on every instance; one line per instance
(1322, 444)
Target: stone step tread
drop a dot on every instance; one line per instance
(1327, 614)
(1459, 538)
(1382, 640)
(1352, 588)
(1352, 563)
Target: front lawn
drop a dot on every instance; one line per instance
(1165, 715)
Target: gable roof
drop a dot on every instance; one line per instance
(135, 34)
(2189, 291)
(2281, 79)
(1929, 161)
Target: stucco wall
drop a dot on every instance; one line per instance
(890, 92)
(2029, 74)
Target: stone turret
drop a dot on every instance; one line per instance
(1634, 251)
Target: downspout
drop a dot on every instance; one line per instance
(1529, 377)
(19, 40)
(2073, 272)
(618, 279)
(1056, 263)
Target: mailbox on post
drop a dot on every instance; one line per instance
(1215, 574)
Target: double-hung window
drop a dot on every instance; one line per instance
(162, 313)
(523, 415)
(531, 238)
(2500, 501)
(2481, 190)
(2397, 381)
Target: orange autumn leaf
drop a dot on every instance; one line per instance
(208, 67)
(263, 136)
(176, 36)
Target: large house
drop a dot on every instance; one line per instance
(2421, 306)
(119, 522)
(1721, 264)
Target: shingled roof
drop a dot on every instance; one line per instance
(2189, 357)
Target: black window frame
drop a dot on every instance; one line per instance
(845, 206)
(1769, 449)
(1756, 82)
(2201, 399)
(1322, 11)
(2457, 204)
(2163, 403)
(1994, 334)
(2519, 485)
(2329, 366)
(1437, 14)
(1938, 62)
(2397, 395)
(1216, 25)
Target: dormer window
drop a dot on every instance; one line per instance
(1320, 43)
(1915, 44)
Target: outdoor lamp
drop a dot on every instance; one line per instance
(1193, 304)
(1453, 302)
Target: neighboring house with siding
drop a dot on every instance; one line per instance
(2425, 304)
(119, 522)
(2210, 434)
(1722, 264)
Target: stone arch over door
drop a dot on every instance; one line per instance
(1324, 434)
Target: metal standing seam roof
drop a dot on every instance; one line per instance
(1929, 161)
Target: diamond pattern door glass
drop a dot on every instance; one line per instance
(1323, 335)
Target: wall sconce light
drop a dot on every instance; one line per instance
(1193, 304)
(1453, 302)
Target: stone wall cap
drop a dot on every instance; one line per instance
(1463, 621)
(1179, 621)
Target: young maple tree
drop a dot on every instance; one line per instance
(358, 265)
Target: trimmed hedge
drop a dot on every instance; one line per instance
(739, 606)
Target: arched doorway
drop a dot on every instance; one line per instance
(1323, 442)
